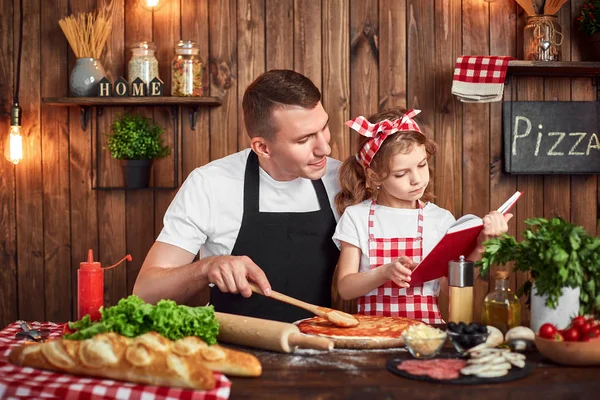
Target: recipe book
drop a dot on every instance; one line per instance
(459, 240)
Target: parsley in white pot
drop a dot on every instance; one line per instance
(564, 264)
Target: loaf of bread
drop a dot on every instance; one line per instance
(149, 359)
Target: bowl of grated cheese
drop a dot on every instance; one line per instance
(424, 341)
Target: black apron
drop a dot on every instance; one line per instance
(295, 250)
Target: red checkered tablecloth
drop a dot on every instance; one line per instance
(17, 382)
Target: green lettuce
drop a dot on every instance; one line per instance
(132, 317)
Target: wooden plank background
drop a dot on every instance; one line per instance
(364, 55)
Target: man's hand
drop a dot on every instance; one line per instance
(399, 271)
(231, 275)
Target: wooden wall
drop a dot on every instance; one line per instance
(363, 54)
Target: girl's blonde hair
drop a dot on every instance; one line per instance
(356, 186)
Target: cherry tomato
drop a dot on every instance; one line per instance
(584, 328)
(578, 321)
(571, 335)
(547, 331)
(594, 333)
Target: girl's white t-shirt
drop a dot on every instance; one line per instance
(206, 214)
(389, 222)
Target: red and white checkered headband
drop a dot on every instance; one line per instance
(379, 132)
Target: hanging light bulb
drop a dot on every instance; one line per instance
(14, 146)
(151, 5)
(13, 149)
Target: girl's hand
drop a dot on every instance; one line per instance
(494, 225)
(399, 271)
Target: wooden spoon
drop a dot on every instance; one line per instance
(337, 318)
(527, 6)
(552, 6)
(538, 6)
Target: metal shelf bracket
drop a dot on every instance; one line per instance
(85, 114)
(193, 114)
(596, 82)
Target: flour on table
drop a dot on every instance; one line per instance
(345, 359)
(350, 351)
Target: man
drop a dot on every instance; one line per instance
(262, 215)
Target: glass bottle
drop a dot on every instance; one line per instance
(143, 63)
(502, 307)
(542, 38)
(186, 70)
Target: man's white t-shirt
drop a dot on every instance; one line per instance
(389, 222)
(206, 214)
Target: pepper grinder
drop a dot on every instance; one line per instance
(461, 276)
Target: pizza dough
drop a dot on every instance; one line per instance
(372, 332)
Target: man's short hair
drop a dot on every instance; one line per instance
(272, 90)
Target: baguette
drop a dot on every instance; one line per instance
(149, 359)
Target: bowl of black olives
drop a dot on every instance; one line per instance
(464, 336)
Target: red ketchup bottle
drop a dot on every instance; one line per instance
(90, 284)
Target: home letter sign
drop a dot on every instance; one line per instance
(104, 88)
(121, 88)
(156, 87)
(138, 88)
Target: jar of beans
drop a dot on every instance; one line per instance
(186, 70)
(143, 63)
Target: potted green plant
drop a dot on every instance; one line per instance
(564, 264)
(136, 141)
(589, 24)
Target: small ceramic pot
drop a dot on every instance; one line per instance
(136, 173)
(85, 77)
(567, 308)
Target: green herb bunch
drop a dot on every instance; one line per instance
(558, 254)
(589, 18)
(134, 137)
(132, 317)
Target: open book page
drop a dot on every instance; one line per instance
(504, 208)
(470, 220)
(465, 222)
(460, 239)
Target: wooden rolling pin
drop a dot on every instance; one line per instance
(266, 334)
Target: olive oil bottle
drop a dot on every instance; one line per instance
(502, 307)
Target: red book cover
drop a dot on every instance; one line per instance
(460, 239)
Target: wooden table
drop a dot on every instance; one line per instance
(354, 374)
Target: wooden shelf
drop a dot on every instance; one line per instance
(554, 68)
(204, 101)
(86, 103)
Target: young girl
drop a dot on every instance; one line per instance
(389, 223)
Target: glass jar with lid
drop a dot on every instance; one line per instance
(143, 63)
(542, 38)
(186, 70)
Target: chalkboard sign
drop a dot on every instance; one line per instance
(551, 137)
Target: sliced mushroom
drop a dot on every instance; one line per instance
(492, 373)
(477, 348)
(473, 369)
